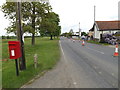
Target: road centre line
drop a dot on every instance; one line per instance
(95, 50)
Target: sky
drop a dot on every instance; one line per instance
(71, 12)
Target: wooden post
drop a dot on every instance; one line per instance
(17, 70)
(35, 61)
(19, 35)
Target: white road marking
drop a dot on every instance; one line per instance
(113, 84)
(112, 74)
(95, 50)
(62, 50)
(100, 72)
(95, 67)
(74, 83)
(67, 62)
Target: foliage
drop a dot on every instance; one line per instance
(9, 37)
(66, 34)
(34, 15)
(83, 33)
(50, 24)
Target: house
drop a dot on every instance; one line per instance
(101, 27)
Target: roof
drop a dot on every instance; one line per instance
(108, 25)
(92, 29)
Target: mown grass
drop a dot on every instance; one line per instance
(48, 54)
(96, 42)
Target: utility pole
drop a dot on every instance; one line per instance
(94, 35)
(19, 35)
(94, 13)
(79, 30)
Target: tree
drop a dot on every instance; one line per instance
(83, 33)
(64, 34)
(32, 13)
(58, 31)
(38, 11)
(50, 24)
(69, 35)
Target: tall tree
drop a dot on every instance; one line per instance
(32, 13)
(50, 24)
(58, 31)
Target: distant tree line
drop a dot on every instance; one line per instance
(37, 17)
(71, 33)
(8, 37)
(14, 37)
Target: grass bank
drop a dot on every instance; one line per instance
(96, 42)
(48, 54)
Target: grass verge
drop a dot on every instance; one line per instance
(48, 54)
(96, 42)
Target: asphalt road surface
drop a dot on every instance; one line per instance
(89, 66)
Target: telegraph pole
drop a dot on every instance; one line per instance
(94, 13)
(79, 30)
(19, 35)
(94, 21)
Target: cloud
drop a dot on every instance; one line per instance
(74, 11)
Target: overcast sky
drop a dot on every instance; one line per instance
(72, 12)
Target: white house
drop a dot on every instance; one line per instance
(101, 27)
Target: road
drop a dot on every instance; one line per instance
(89, 66)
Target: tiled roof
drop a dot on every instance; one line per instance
(92, 29)
(108, 25)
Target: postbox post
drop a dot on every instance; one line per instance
(17, 70)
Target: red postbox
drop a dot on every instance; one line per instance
(14, 49)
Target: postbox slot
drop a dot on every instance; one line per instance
(12, 44)
(13, 48)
